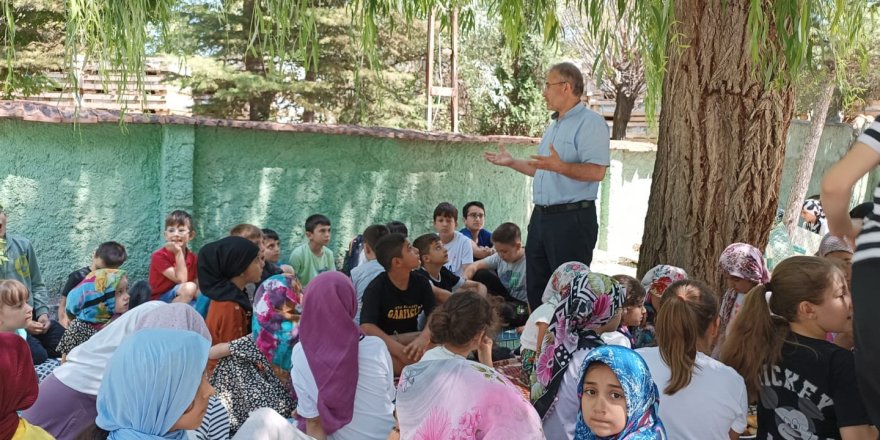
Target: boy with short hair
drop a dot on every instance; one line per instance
(433, 256)
(109, 255)
(474, 215)
(398, 227)
(272, 251)
(363, 274)
(173, 274)
(311, 258)
(394, 300)
(504, 273)
(461, 254)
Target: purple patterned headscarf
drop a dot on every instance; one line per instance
(274, 334)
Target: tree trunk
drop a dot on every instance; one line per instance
(260, 105)
(808, 156)
(308, 115)
(721, 144)
(623, 107)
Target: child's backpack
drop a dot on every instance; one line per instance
(353, 254)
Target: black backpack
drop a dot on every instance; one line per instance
(353, 254)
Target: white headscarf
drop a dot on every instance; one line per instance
(85, 364)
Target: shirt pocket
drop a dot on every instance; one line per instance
(567, 151)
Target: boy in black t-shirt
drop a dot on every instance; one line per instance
(433, 256)
(394, 300)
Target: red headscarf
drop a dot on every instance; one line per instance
(330, 338)
(18, 382)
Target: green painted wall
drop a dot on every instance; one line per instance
(69, 189)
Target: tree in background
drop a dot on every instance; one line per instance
(835, 65)
(38, 26)
(503, 92)
(612, 58)
(231, 78)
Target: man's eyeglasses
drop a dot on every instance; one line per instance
(548, 85)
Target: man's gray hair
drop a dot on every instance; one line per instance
(572, 75)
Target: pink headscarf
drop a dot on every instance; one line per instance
(743, 261)
(330, 338)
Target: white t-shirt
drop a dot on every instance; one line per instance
(373, 408)
(562, 418)
(717, 394)
(512, 275)
(460, 253)
(616, 338)
(529, 337)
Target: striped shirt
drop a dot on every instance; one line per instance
(215, 425)
(868, 241)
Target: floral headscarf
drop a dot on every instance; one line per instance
(642, 397)
(593, 301)
(742, 261)
(659, 278)
(94, 299)
(814, 207)
(560, 282)
(274, 335)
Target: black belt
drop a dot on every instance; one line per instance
(555, 209)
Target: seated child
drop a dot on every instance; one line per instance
(311, 258)
(109, 255)
(16, 313)
(100, 298)
(138, 293)
(272, 251)
(618, 397)
(838, 252)
(474, 214)
(504, 273)
(19, 384)
(632, 315)
(363, 274)
(433, 256)
(173, 266)
(655, 283)
(394, 300)
(461, 254)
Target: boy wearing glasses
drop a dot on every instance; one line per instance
(173, 266)
(474, 214)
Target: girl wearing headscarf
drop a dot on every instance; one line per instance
(655, 283)
(225, 267)
(18, 389)
(637, 419)
(99, 298)
(744, 268)
(814, 217)
(445, 393)
(155, 386)
(536, 327)
(67, 397)
(589, 308)
(343, 379)
(276, 322)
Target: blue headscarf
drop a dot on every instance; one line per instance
(149, 383)
(642, 397)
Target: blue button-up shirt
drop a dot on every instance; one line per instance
(580, 136)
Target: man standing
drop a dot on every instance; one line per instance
(571, 161)
(21, 265)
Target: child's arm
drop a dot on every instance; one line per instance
(471, 269)
(838, 182)
(395, 348)
(479, 251)
(177, 273)
(440, 295)
(861, 432)
(484, 352)
(542, 330)
(62, 312)
(415, 349)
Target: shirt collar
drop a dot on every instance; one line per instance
(577, 108)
